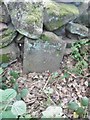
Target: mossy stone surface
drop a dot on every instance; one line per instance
(7, 36)
(56, 15)
(8, 53)
(27, 18)
(42, 55)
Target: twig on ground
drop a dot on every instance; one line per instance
(47, 82)
(12, 62)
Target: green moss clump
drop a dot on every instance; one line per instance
(44, 37)
(35, 15)
(54, 8)
(68, 9)
(4, 58)
(6, 38)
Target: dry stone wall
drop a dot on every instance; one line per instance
(39, 31)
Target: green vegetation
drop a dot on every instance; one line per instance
(79, 108)
(80, 54)
(9, 106)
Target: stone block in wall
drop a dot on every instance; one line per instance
(8, 53)
(40, 55)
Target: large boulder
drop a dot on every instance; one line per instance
(27, 17)
(57, 15)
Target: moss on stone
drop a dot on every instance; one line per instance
(52, 8)
(7, 38)
(35, 15)
(67, 9)
(4, 58)
(58, 14)
(61, 9)
(54, 24)
(45, 38)
(7, 32)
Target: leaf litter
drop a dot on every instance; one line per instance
(47, 89)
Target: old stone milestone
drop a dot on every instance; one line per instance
(43, 55)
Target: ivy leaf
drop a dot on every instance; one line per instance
(4, 65)
(18, 97)
(28, 116)
(18, 108)
(1, 93)
(24, 93)
(85, 101)
(80, 111)
(0, 116)
(14, 74)
(55, 74)
(15, 86)
(4, 86)
(1, 70)
(73, 105)
(8, 114)
(8, 95)
(66, 75)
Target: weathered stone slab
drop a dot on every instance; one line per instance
(78, 30)
(8, 53)
(27, 17)
(56, 15)
(42, 55)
